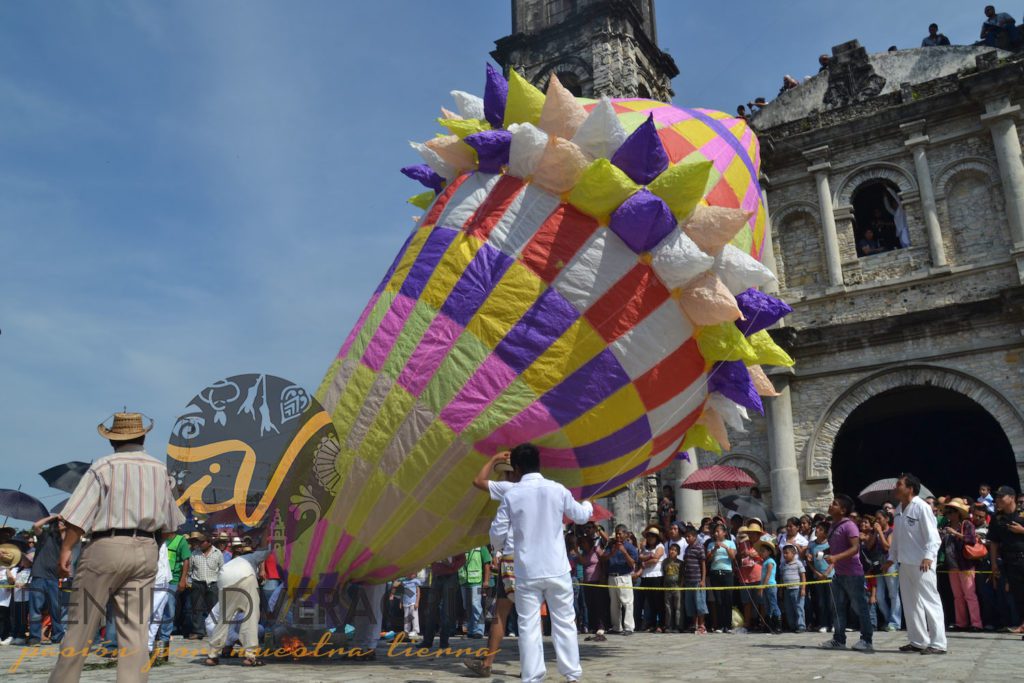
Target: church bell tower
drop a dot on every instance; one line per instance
(597, 47)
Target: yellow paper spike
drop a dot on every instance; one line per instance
(682, 186)
(525, 102)
(698, 436)
(423, 200)
(725, 342)
(601, 189)
(766, 351)
(464, 127)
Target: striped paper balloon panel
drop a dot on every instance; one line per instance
(584, 277)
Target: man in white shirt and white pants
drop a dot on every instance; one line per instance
(533, 509)
(915, 547)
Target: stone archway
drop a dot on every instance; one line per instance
(819, 450)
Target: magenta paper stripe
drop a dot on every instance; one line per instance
(533, 422)
(558, 458)
(314, 547)
(359, 326)
(360, 560)
(343, 544)
(387, 332)
(383, 571)
(491, 379)
(436, 342)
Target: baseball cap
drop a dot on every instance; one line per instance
(1005, 491)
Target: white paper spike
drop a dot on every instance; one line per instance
(440, 166)
(528, 144)
(601, 134)
(469, 106)
(732, 413)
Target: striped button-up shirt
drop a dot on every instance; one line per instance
(126, 490)
(205, 566)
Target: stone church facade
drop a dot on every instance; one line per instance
(939, 127)
(926, 333)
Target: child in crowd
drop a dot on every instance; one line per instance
(695, 575)
(672, 571)
(985, 496)
(821, 593)
(19, 612)
(411, 605)
(792, 572)
(771, 613)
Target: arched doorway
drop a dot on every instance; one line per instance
(951, 442)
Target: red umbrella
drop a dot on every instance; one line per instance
(718, 477)
(599, 515)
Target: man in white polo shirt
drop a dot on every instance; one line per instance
(533, 509)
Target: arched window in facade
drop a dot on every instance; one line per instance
(880, 221)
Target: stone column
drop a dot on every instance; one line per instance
(820, 167)
(691, 503)
(1000, 116)
(768, 248)
(784, 475)
(917, 143)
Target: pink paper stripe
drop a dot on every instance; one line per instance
(383, 571)
(314, 547)
(436, 343)
(390, 327)
(559, 458)
(491, 378)
(533, 422)
(343, 544)
(360, 560)
(359, 326)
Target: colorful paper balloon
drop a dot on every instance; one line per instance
(539, 299)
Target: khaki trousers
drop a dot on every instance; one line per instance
(243, 597)
(118, 568)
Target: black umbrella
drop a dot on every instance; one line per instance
(747, 507)
(56, 509)
(65, 477)
(21, 506)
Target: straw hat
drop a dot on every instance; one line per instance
(10, 555)
(752, 527)
(197, 536)
(959, 506)
(126, 426)
(765, 544)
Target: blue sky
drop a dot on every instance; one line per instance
(193, 190)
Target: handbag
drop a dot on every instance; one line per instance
(977, 551)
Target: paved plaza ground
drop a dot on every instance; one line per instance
(641, 657)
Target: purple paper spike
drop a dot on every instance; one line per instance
(495, 96)
(759, 310)
(425, 176)
(731, 379)
(642, 221)
(683, 455)
(491, 147)
(642, 156)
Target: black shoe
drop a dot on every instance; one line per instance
(932, 651)
(32, 641)
(909, 647)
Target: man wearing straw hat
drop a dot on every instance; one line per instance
(124, 502)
